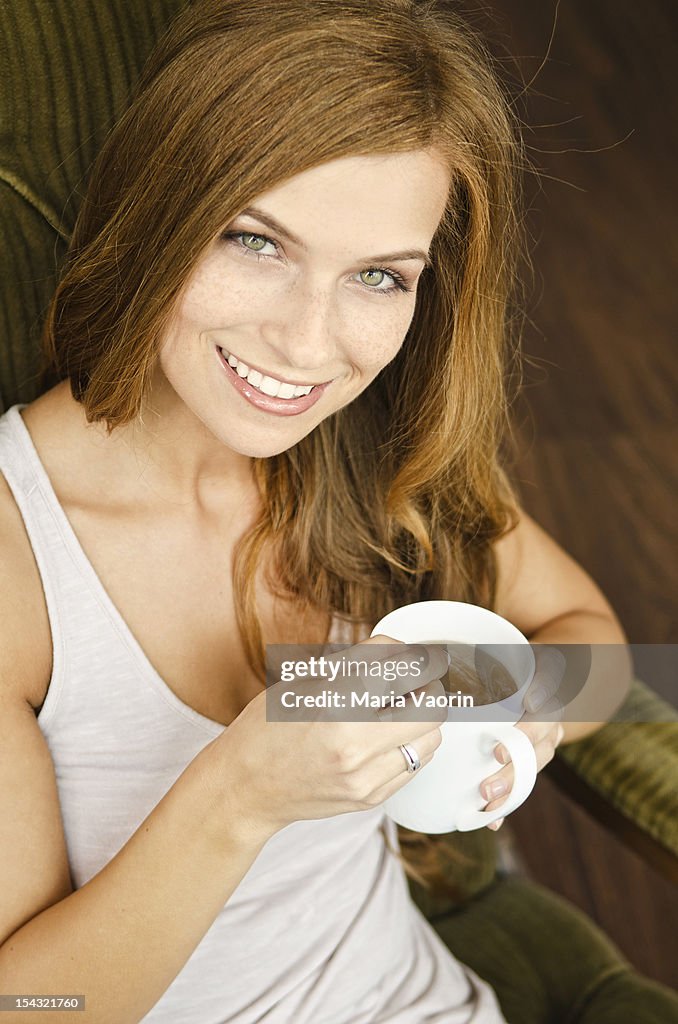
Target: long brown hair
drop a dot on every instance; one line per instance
(399, 496)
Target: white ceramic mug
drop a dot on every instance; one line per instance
(444, 796)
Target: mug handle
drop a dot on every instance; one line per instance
(524, 761)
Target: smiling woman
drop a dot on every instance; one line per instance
(243, 444)
(301, 313)
(417, 393)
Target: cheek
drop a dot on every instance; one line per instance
(200, 303)
(379, 339)
(214, 298)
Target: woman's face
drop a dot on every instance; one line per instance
(315, 284)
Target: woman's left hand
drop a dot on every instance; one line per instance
(543, 729)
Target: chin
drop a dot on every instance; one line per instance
(253, 448)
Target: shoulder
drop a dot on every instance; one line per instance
(538, 581)
(25, 637)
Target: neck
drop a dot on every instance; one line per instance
(166, 455)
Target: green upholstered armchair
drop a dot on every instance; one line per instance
(67, 67)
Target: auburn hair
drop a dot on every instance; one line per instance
(399, 496)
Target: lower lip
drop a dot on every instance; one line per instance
(278, 406)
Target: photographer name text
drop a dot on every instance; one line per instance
(335, 699)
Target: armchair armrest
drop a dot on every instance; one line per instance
(626, 776)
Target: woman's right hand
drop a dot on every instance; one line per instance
(315, 766)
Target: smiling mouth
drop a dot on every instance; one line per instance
(269, 385)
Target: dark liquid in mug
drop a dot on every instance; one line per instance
(476, 673)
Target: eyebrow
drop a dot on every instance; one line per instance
(274, 225)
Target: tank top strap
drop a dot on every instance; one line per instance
(76, 619)
(48, 530)
(28, 482)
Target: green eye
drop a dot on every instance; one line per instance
(258, 239)
(365, 274)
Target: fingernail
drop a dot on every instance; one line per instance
(495, 789)
(535, 699)
(559, 661)
(496, 824)
(561, 733)
(501, 755)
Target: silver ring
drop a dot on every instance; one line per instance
(411, 757)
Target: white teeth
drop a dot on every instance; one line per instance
(267, 385)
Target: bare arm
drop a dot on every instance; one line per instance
(123, 937)
(545, 593)
(554, 601)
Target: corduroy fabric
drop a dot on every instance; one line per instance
(29, 250)
(633, 763)
(548, 963)
(66, 70)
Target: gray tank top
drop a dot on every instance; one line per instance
(322, 928)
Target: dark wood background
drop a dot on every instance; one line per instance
(597, 417)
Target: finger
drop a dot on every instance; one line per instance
(551, 711)
(496, 825)
(498, 786)
(535, 727)
(427, 705)
(395, 667)
(425, 749)
(353, 663)
(538, 730)
(381, 639)
(423, 746)
(550, 665)
(435, 660)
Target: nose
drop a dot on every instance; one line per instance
(303, 329)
